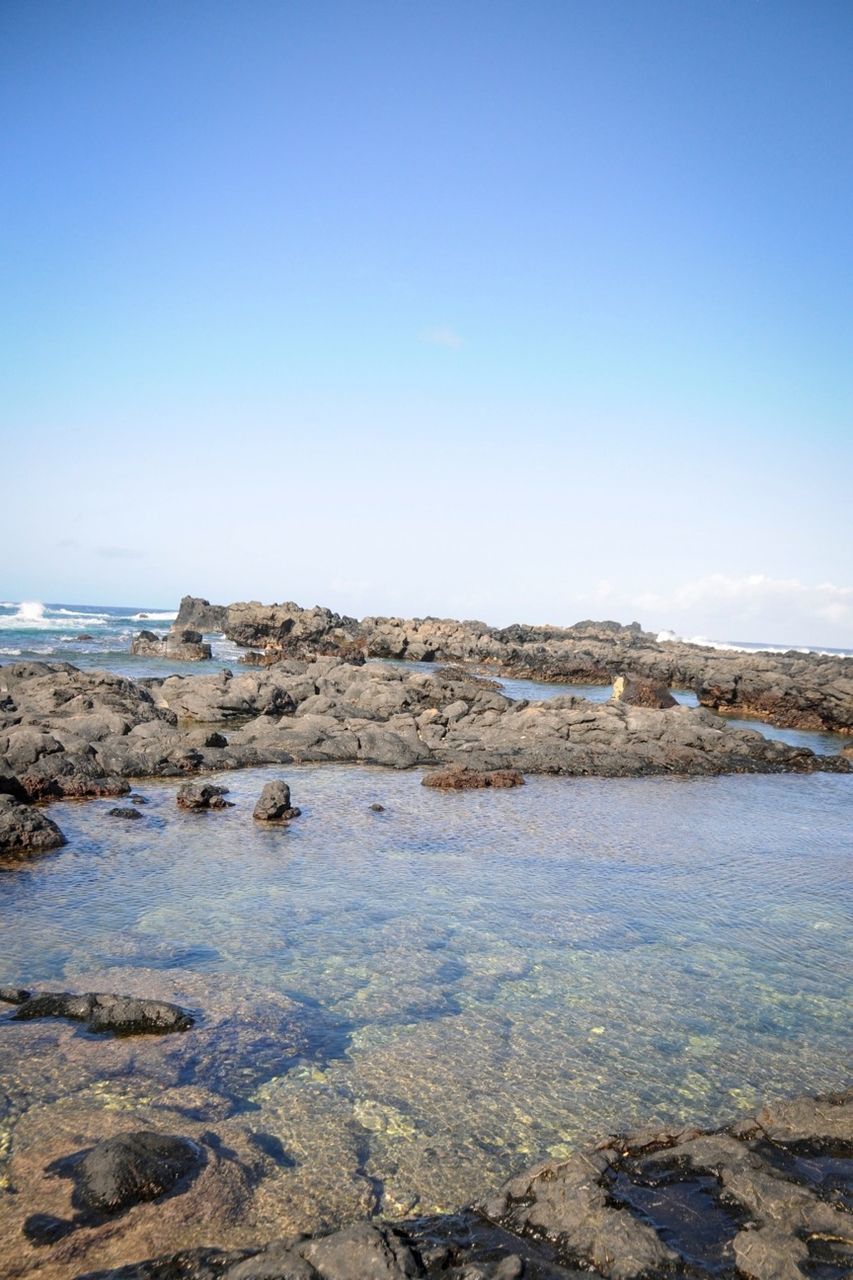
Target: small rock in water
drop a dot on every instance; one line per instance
(137, 799)
(464, 779)
(25, 829)
(13, 995)
(198, 795)
(378, 808)
(274, 804)
(133, 1167)
(123, 1015)
(44, 1228)
(124, 812)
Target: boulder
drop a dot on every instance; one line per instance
(274, 804)
(639, 691)
(129, 1169)
(182, 644)
(125, 811)
(25, 830)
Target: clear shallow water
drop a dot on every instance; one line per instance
(475, 979)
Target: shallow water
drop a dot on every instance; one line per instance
(425, 999)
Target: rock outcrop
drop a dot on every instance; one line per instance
(71, 733)
(765, 1199)
(180, 643)
(799, 690)
(202, 795)
(635, 691)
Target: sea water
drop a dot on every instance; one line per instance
(425, 998)
(474, 980)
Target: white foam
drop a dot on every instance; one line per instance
(8, 652)
(671, 637)
(153, 617)
(32, 615)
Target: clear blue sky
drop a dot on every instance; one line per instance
(530, 310)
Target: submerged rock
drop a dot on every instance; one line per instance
(123, 1015)
(464, 779)
(274, 804)
(25, 830)
(198, 795)
(125, 811)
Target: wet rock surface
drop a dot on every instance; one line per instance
(805, 691)
(763, 1199)
(180, 643)
(128, 1169)
(25, 830)
(122, 1015)
(462, 779)
(199, 795)
(66, 733)
(274, 804)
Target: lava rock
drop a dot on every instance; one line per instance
(25, 830)
(464, 779)
(274, 804)
(638, 691)
(133, 1167)
(45, 1228)
(202, 795)
(124, 812)
(122, 1015)
(14, 995)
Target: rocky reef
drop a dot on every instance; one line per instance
(182, 644)
(765, 1198)
(804, 691)
(71, 733)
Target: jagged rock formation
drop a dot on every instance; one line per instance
(71, 733)
(767, 1198)
(805, 691)
(180, 643)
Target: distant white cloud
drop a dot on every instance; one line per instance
(119, 553)
(789, 607)
(442, 337)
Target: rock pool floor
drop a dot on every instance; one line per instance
(399, 1009)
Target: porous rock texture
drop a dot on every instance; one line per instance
(767, 1198)
(123, 1015)
(799, 690)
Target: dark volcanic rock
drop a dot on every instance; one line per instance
(14, 995)
(25, 830)
(200, 614)
(45, 1228)
(463, 779)
(806, 691)
(274, 804)
(202, 795)
(131, 1168)
(763, 1199)
(125, 811)
(636, 691)
(182, 644)
(123, 1015)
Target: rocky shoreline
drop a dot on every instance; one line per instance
(65, 732)
(795, 690)
(764, 1198)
